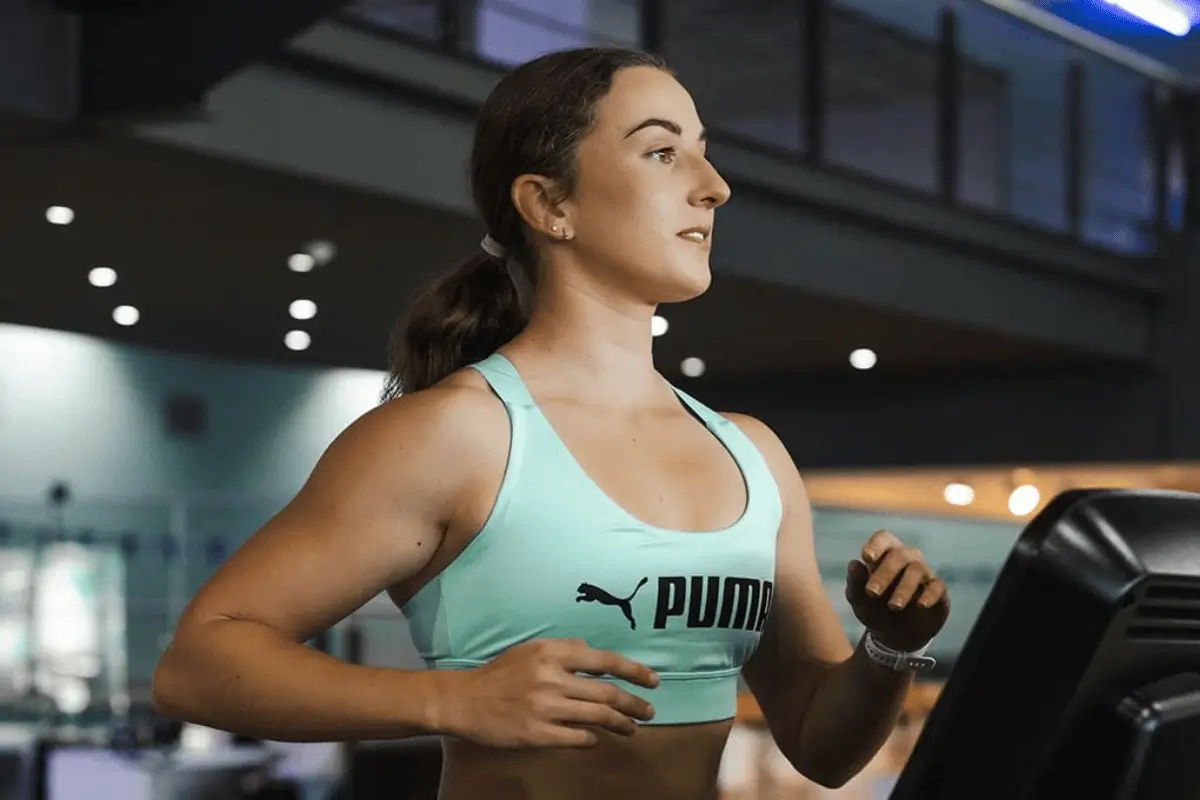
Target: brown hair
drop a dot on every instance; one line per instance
(531, 123)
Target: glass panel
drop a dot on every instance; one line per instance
(1031, 184)
(1177, 184)
(63, 627)
(415, 17)
(983, 147)
(16, 598)
(882, 104)
(1118, 165)
(748, 84)
(513, 31)
(165, 552)
(78, 627)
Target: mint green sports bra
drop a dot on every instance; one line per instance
(558, 558)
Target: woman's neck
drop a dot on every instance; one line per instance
(592, 344)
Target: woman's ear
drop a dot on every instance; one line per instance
(538, 202)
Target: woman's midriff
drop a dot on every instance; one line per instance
(659, 762)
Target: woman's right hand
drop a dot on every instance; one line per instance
(533, 696)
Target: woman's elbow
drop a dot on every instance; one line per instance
(167, 695)
(179, 684)
(822, 772)
(829, 780)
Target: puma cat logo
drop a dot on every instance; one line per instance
(594, 594)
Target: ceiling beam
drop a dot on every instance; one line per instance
(73, 60)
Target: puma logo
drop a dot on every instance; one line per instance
(594, 594)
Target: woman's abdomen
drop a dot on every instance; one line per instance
(660, 762)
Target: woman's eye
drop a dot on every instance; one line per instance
(666, 155)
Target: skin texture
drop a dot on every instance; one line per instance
(399, 495)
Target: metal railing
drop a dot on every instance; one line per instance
(988, 104)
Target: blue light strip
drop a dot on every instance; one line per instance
(1160, 13)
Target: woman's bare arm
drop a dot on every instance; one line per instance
(372, 515)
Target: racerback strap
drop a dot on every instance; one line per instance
(502, 376)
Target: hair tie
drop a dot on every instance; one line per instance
(516, 272)
(492, 247)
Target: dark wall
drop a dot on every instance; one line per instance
(1087, 413)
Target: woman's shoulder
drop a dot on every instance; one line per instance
(455, 419)
(758, 432)
(461, 394)
(776, 454)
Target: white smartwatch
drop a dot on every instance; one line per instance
(897, 660)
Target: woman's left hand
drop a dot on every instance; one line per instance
(896, 595)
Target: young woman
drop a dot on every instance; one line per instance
(588, 558)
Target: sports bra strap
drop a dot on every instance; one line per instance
(502, 376)
(711, 418)
(506, 382)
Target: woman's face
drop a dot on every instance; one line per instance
(642, 212)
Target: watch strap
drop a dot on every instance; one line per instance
(897, 660)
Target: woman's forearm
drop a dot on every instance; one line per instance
(850, 716)
(247, 678)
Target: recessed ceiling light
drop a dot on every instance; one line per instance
(959, 494)
(1023, 500)
(126, 315)
(302, 309)
(863, 358)
(60, 215)
(297, 340)
(322, 250)
(301, 262)
(102, 277)
(659, 325)
(692, 367)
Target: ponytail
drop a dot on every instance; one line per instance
(460, 318)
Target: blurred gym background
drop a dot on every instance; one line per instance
(958, 277)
